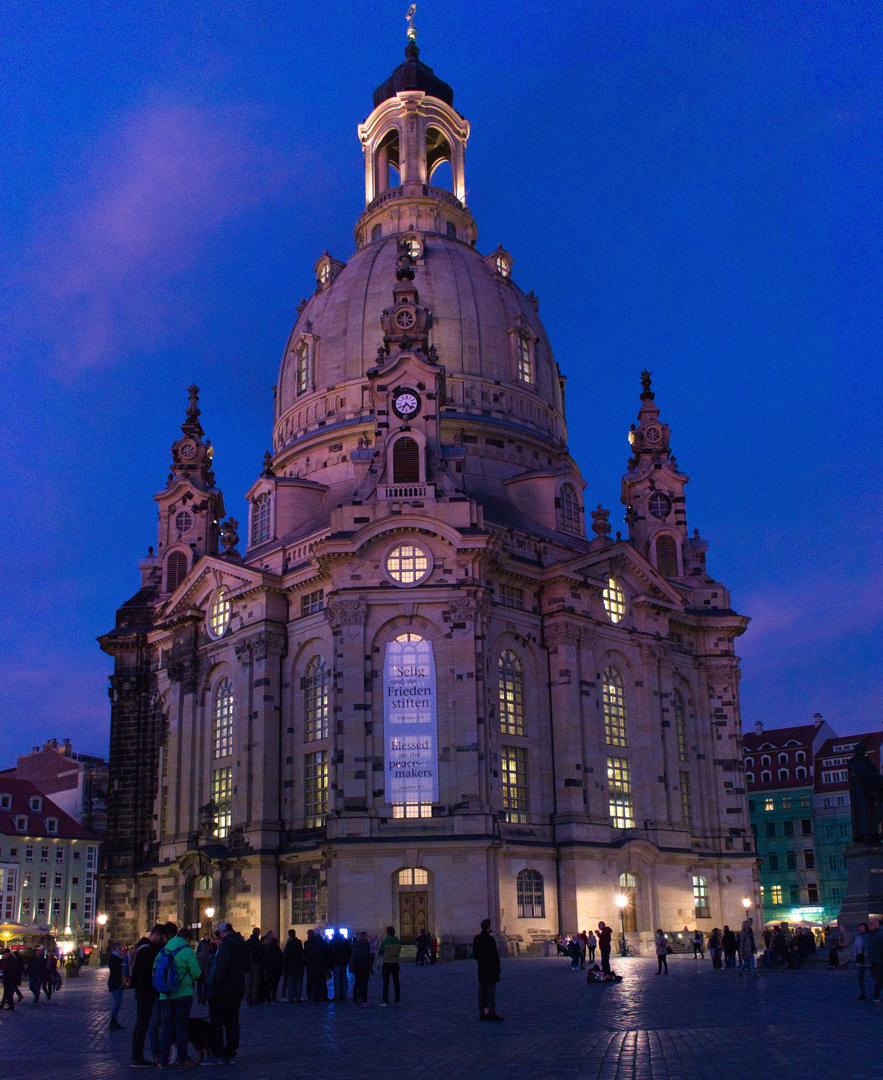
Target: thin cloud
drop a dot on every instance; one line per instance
(103, 269)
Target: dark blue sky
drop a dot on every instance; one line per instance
(688, 187)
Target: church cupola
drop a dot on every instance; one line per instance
(413, 130)
(190, 506)
(653, 492)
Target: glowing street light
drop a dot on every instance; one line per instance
(622, 902)
(102, 922)
(746, 903)
(210, 914)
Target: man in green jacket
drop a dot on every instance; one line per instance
(389, 952)
(176, 1006)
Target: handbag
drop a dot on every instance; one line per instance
(668, 950)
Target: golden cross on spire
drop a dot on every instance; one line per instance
(412, 29)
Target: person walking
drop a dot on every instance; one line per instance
(697, 941)
(388, 955)
(145, 997)
(226, 989)
(487, 955)
(747, 949)
(859, 947)
(728, 943)
(34, 971)
(115, 984)
(661, 942)
(178, 1003)
(715, 948)
(604, 937)
(361, 962)
(12, 971)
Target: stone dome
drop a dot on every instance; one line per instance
(413, 74)
(476, 313)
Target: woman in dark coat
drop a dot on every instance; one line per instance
(272, 968)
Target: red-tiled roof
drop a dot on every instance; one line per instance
(777, 737)
(21, 791)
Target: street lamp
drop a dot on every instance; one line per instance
(622, 902)
(746, 903)
(102, 922)
(210, 914)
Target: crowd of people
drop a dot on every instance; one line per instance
(40, 971)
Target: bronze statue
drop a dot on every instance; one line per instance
(865, 797)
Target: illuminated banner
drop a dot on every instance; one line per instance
(409, 724)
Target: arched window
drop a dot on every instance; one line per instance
(765, 777)
(261, 511)
(525, 358)
(176, 570)
(765, 760)
(222, 715)
(800, 772)
(406, 462)
(511, 672)
(568, 509)
(219, 613)
(530, 895)
(614, 600)
(700, 898)
(613, 701)
(783, 774)
(667, 556)
(749, 778)
(628, 887)
(315, 688)
(680, 725)
(302, 368)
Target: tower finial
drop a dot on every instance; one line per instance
(412, 29)
(647, 394)
(193, 406)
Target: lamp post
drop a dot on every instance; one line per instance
(102, 922)
(210, 914)
(746, 903)
(622, 902)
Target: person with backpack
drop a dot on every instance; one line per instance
(175, 972)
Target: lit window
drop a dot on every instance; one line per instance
(315, 688)
(614, 600)
(613, 701)
(776, 894)
(667, 556)
(511, 674)
(530, 895)
(223, 719)
(412, 810)
(513, 763)
(502, 265)
(525, 358)
(219, 613)
(769, 804)
(413, 246)
(620, 793)
(315, 789)
(222, 796)
(312, 603)
(183, 522)
(686, 799)
(408, 564)
(680, 725)
(261, 511)
(304, 896)
(803, 801)
(511, 596)
(700, 898)
(568, 511)
(176, 570)
(414, 875)
(786, 802)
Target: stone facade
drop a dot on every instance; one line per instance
(420, 489)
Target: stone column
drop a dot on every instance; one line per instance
(562, 641)
(350, 771)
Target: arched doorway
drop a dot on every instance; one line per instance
(412, 884)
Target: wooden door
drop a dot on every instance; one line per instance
(412, 915)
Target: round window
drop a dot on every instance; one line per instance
(219, 613)
(408, 564)
(614, 600)
(660, 505)
(183, 522)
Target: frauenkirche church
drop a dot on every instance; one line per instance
(415, 687)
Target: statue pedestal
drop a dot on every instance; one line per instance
(864, 890)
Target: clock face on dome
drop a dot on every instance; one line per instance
(405, 403)
(405, 319)
(653, 434)
(188, 451)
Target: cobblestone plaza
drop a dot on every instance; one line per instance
(694, 1023)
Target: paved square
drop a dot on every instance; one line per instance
(693, 1023)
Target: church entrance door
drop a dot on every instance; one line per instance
(413, 909)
